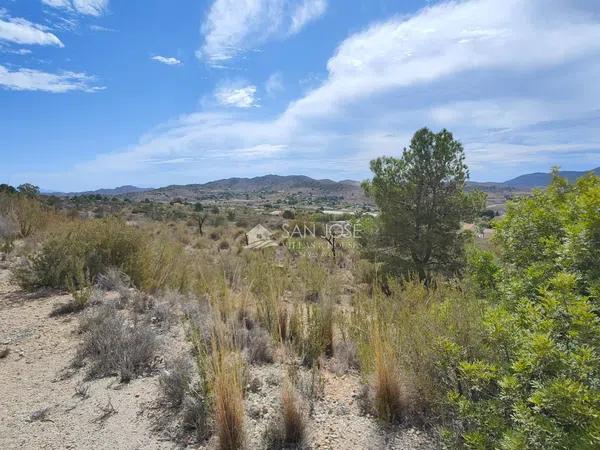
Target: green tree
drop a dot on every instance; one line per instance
(422, 202)
(29, 190)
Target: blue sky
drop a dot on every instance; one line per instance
(100, 93)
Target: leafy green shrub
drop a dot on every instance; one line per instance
(538, 383)
(75, 247)
(541, 389)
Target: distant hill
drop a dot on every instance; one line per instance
(541, 179)
(530, 181)
(267, 188)
(121, 190)
(271, 186)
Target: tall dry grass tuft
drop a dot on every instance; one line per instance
(227, 388)
(228, 400)
(288, 429)
(388, 399)
(294, 424)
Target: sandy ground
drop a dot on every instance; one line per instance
(35, 377)
(39, 407)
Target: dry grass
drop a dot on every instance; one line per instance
(287, 430)
(113, 347)
(388, 400)
(175, 380)
(228, 400)
(293, 419)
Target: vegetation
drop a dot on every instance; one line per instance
(486, 343)
(422, 202)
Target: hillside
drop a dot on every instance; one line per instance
(541, 179)
(300, 189)
(290, 189)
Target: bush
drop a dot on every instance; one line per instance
(175, 380)
(113, 347)
(535, 382)
(259, 347)
(74, 247)
(410, 342)
(195, 413)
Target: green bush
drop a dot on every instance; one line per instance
(538, 384)
(90, 247)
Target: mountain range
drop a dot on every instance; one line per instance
(281, 184)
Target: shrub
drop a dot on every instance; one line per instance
(259, 347)
(195, 413)
(535, 384)
(175, 381)
(114, 279)
(410, 343)
(318, 333)
(539, 390)
(90, 247)
(113, 347)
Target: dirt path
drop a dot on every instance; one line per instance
(38, 405)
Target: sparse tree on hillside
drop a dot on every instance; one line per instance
(201, 220)
(29, 190)
(422, 202)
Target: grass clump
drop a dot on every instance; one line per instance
(288, 430)
(175, 381)
(112, 347)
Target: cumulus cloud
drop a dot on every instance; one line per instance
(21, 31)
(86, 7)
(233, 27)
(169, 61)
(236, 96)
(35, 80)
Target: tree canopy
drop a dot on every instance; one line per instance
(422, 202)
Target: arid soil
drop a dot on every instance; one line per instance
(45, 404)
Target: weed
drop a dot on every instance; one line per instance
(175, 380)
(113, 347)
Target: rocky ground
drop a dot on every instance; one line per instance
(44, 403)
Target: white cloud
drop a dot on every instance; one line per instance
(170, 61)
(101, 28)
(237, 96)
(515, 80)
(234, 26)
(305, 12)
(35, 80)
(21, 31)
(448, 39)
(274, 84)
(87, 7)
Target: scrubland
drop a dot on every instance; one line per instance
(289, 347)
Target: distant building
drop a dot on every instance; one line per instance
(259, 237)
